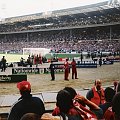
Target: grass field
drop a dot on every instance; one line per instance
(16, 57)
(13, 57)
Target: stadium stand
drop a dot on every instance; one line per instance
(91, 28)
(88, 28)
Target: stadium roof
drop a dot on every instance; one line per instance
(83, 10)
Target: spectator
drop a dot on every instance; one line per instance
(96, 111)
(115, 85)
(96, 94)
(65, 105)
(107, 109)
(116, 106)
(118, 87)
(74, 69)
(73, 93)
(109, 94)
(26, 103)
(79, 102)
(110, 112)
(48, 116)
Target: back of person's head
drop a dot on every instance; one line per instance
(71, 91)
(67, 59)
(30, 116)
(24, 87)
(115, 83)
(116, 105)
(48, 116)
(73, 59)
(64, 101)
(109, 94)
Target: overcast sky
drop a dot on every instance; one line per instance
(11, 8)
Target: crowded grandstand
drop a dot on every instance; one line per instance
(90, 28)
(84, 31)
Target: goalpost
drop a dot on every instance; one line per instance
(35, 51)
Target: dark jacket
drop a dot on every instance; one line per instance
(26, 104)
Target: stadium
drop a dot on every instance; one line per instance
(65, 33)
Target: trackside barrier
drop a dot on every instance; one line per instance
(27, 70)
(59, 68)
(86, 64)
(35, 70)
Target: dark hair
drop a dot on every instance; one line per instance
(64, 101)
(67, 59)
(109, 94)
(116, 104)
(25, 94)
(71, 91)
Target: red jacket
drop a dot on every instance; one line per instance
(73, 63)
(109, 114)
(66, 64)
(98, 99)
(73, 111)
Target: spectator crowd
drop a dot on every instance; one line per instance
(98, 104)
(62, 41)
(90, 31)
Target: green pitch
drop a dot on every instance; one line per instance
(16, 57)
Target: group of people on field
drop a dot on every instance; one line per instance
(99, 104)
(31, 60)
(66, 70)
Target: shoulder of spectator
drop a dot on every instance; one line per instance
(89, 94)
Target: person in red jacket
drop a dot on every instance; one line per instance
(66, 66)
(96, 94)
(40, 59)
(74, 69)
(75, 107)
